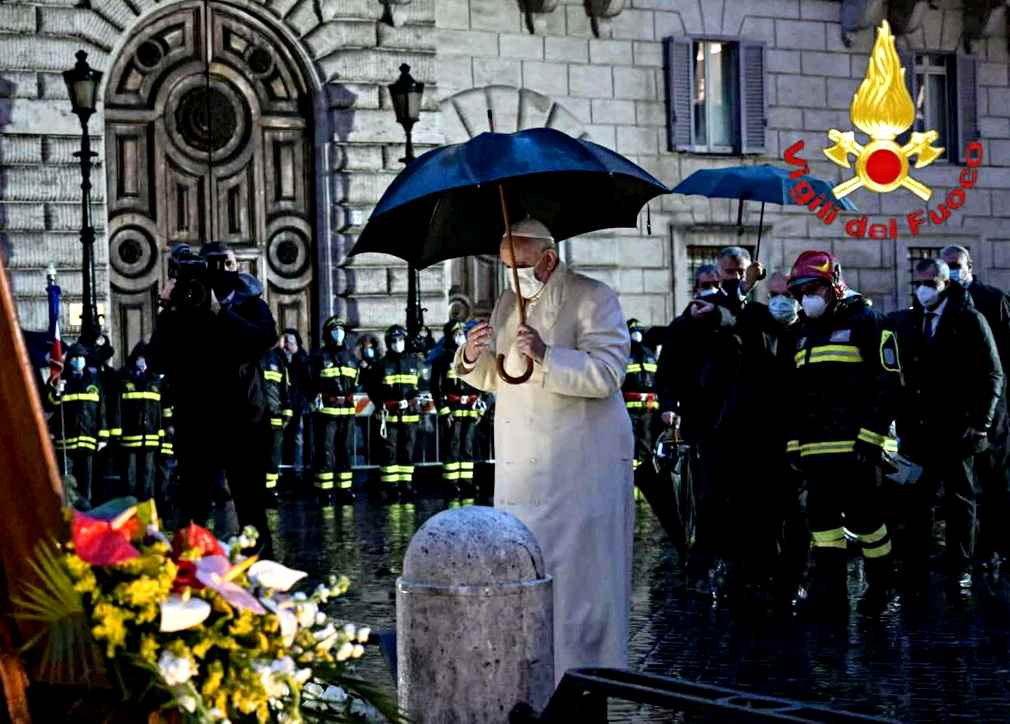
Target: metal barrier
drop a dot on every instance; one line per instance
(583, 693)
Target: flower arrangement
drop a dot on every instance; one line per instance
(196, 624)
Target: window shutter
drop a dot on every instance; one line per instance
(967, 104)
(753, 97)
(679, 80)
(907, 58)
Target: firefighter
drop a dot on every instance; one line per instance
(78, 421)
(166, 454)
(459, 411)
(395, 397)
(334, 377)
(138, 427)
(640, 392)
(278, 414)
(842, 396)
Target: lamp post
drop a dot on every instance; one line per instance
(406, 93)
(82, 85)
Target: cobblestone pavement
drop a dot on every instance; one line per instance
(944, 663)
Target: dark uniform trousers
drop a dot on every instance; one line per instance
(334, 427)
(397, 461)
(459, 431)
(642, 411)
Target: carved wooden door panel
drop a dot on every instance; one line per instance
(191, 159)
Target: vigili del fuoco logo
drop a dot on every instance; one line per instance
(882, 109)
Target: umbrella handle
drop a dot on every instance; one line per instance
(509, 378)
(519, 296)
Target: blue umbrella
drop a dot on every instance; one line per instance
(764, 183)
(447, 203)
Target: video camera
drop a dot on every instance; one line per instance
(193, 275)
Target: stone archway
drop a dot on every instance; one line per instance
(242, 173)
(475, 282)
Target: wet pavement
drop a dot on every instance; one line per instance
(939, 663)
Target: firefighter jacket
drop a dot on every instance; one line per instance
(962, 349)
(396, 380)
(640, 379)
(452, 394)
(275, 387)
(167, 416)
(334, 378)
(840, 389)
(78, 421)
(136, 415)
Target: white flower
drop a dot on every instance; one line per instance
(178, 614)
(300, 596)
(218, 716)
(334, 695)
(350, 630)
(314, 689)
(306, 613)
(271, 676)
(363, 633)
(358, 651)
(269, 574)
(320, 618)
(250, 532)
(175, 670)
(285, 616)
(187, 702)
(325, 633)
(322, 592)
(345, 651)
(303, 675)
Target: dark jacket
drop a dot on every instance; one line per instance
(210, 359)
(335, 378)
(135, 410)
(641, 369)
(713, 370)
(839, 390)
(396, 378)
(933, 413)
(447, 388)
(273, 365)
(78, 421)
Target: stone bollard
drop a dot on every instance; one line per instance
(474, 619)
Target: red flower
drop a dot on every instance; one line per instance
(186, 576)
(195, 538)
(97, 542)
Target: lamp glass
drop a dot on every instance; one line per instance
(83, 92)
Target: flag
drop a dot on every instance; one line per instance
(56, 351)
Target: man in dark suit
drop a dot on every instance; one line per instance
(993, 466)
(942, 338)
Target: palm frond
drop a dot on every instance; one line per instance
(360, 689)
(68, 654)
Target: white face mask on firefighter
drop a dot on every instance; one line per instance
(76, 364)
(927, 296)
(814, 305)
(459, 339)
(783, 308)
(337, 335)
(399, 345)
(528, 282)
(636, 336)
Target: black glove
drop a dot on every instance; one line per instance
(867, 453)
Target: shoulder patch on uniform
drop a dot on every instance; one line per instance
(841, 335)
(92, 389)
(130, 387)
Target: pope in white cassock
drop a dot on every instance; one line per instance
(563, 441)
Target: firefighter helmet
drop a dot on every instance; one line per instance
(634, 324)
(812, 266)
(332, 322)
(393, 332)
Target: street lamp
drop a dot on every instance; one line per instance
(406, 93)
(82, 85)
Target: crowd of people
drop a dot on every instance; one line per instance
(815, 424)
(217, 415)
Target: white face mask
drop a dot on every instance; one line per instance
(399, 345)
(528, 282)
(783, 308)
(928, 297)
(960, 276)
(636, 336)
(707, 292)
(459, 339)
(814, 305)
(337, 335)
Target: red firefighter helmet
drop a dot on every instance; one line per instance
(811, 266)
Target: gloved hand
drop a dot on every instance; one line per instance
(669, 418)
(974, 441)
(404, 404)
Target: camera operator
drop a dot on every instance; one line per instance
(209, 337)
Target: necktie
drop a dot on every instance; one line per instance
(927, 330)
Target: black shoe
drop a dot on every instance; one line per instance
(875, 600)
(407, 492)
(343, 496)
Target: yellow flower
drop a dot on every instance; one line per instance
(110, 627)
(215, 675)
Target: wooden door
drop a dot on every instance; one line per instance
(192, 158)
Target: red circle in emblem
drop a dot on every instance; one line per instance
(883, 166)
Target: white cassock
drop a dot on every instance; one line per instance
(563, 450)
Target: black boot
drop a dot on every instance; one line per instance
(827, 594)
(879, 586)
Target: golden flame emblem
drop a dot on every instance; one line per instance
(882, 109)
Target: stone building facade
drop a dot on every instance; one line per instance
(302, 139)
